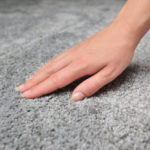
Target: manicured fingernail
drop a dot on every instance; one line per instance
(78, 96)
(20, 88)
(26, 94)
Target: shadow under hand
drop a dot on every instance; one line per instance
(126, 76)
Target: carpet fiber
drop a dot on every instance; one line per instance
(117, 117)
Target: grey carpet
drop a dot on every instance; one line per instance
(117, 117)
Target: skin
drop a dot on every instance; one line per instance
(104, 56)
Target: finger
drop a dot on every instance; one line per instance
(51, 67)
(57, 58)
(54, 61)
(93, 84)
(58, 80)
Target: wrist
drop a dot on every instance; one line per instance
(134, 19)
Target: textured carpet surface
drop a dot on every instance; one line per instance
(117, 117)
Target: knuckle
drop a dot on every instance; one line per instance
(110, 73)
(55, 80)
(90, 88)
(82, 62)
(97, 85)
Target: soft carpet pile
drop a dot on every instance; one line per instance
(117, 117)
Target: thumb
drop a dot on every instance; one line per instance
(93, 84)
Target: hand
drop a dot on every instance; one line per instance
(105, 55)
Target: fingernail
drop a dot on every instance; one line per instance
(78, 96)
(26, 94)
(20, 88)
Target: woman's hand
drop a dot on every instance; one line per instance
(105, 55)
